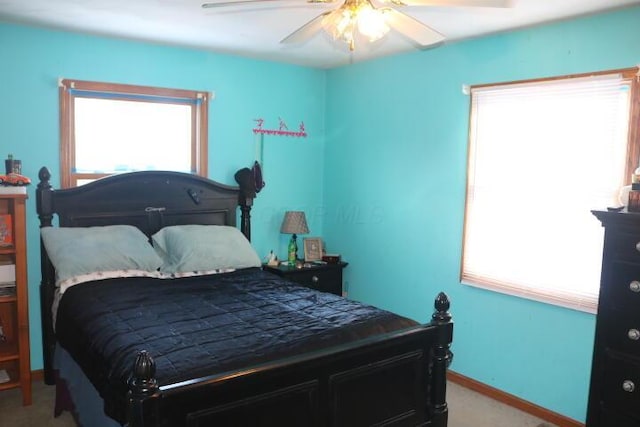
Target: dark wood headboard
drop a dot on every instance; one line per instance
(148, 200)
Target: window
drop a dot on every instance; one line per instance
(112, 128)
(542, 154)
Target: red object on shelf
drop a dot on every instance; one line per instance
(14, 179)
(6, 230)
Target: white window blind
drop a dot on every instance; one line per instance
(541, 156)
(114, 135)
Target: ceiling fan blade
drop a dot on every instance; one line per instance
(307, 31)
(462, 3)
(412, 28)
(234, 3)
(213, 5)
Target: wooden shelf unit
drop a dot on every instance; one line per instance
(14, 309)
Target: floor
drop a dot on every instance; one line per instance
(466, 409)
(470, 409)
(39, 414)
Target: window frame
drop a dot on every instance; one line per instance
(561, 297)
(199, 101)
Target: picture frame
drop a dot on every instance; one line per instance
(312, 249)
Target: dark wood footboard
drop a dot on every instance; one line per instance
(393, 379)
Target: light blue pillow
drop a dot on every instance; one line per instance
(76, 251)
(187, 248)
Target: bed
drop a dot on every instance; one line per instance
(261, 351)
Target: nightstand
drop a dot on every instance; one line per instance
(322, 277)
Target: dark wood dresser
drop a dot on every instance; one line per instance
(614, 396)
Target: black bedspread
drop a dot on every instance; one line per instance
(203, 325)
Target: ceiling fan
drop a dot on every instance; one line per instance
(366, 19)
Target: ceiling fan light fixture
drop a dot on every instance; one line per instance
(353, 15)
(341, 25)
(372, 24)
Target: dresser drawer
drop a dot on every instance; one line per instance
(613, 419)
(622, 330)
(621, 289)
(325, 281)
(624, 246)
(621, 389)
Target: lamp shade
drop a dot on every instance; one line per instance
(294, 222)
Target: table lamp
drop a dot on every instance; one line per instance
(294, 222)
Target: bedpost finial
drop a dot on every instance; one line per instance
(44, 174)
(442, 305)
(144, 367)
(142, 381)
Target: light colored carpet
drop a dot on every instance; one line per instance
(466, 409)
(470, 409)
(39, 414)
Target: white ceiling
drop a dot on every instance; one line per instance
(255, 31)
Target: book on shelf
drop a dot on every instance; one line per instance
(7, 292)
(4, 376)
(13, 189)
(7, 272)
(8, 289)
(3, 337)
(6, 230)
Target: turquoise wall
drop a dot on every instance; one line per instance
(395, 170)
(381, 175)
(34, 59)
